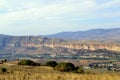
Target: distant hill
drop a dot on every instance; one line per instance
(2, 35)
(94, 34)
(35, 47)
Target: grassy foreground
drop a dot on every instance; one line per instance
(15, 72)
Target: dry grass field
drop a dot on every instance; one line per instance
(15, 72)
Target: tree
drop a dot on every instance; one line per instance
(65, 67)
(51, 63)
(5, 60)
(3, 70)
(28, 62)
(79, 69)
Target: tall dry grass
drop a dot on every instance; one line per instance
(47, 73)
(57, 76)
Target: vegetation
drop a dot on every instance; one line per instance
(65, 67)
(16, 72)
(51, 63)
(79, 69)
(28, 62)
(3, 70)
(3, 61)
(69, 67)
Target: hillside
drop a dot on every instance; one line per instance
(43, 45)
(34, 44)
(94, 34)
(16, 72)
(98, 42)
(2, 35)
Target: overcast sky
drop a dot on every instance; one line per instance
(38, 17)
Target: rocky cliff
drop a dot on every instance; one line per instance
(40, 45)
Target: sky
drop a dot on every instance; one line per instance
(43, 17)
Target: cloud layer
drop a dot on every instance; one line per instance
(35, 17)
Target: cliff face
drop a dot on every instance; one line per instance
(39, 45)
(111, 47)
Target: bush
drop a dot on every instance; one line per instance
(28, 62)
(51, 63)
(3, 70)
(5, 60)
(79, 69)
(65, 67)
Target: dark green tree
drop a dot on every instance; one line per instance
(28, 62)
(79, 69)
(3, 70)
(65, 67)
(51, 63)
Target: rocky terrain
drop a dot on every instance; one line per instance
(43, 45)
(97, 43)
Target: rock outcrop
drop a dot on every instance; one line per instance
(40, 45)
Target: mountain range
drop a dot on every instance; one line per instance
(65, 43)
(94, 34)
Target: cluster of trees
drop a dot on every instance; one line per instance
(3, 61)
(63, 66)
(28, 62)
(51, 63)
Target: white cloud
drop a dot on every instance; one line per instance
(54, 13)
(111, 3)
(49, 10)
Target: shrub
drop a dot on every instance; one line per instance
(79, 69)
(65, 67)
(28, 62)
(5, 60)
(3, 70)
(51, 63)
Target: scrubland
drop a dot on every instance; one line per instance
(17, 72)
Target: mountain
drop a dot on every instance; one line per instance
(2, 35)
(26, 44)
(12, 47)
(41, 45)
(94, 34)
(92, 42)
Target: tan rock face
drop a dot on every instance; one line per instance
(112, 47)
(22, 43)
